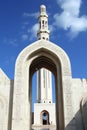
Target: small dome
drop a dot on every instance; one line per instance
(42, 8)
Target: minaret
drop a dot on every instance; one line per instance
(44, 108)
(44, 76)
(44, 86)
(43, 32)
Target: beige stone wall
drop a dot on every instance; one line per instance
(4, 100)
(79, 92)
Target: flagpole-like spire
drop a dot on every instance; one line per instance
(43, 32)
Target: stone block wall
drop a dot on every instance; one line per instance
(5, 84)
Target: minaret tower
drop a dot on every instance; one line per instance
(44, 76)
(43, 32)
(44, 86)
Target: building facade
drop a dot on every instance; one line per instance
(16, 95)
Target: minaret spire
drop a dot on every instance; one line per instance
(43, 32)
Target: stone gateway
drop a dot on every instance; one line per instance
(70, 110)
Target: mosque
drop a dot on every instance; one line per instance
(69, 112)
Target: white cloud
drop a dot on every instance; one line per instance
(24, 37)
(12, 42)
(51, 28)
(31, 14)
(33, 31)
(71, 6)
(35, 28)
(29, 32)
(69, 19)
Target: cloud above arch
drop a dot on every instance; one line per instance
(69, 19)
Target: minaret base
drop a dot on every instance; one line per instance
(44, 114)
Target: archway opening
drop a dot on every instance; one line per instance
(50, 64)
(45, 117)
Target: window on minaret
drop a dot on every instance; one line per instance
(43, 23)
(40, 24)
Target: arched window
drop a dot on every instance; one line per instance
(45, 117)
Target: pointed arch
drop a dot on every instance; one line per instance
(41, 54)
(44, 116)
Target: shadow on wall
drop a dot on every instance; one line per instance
(79, 122)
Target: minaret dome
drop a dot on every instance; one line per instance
(42, 8)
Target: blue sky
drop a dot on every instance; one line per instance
(67, 24)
